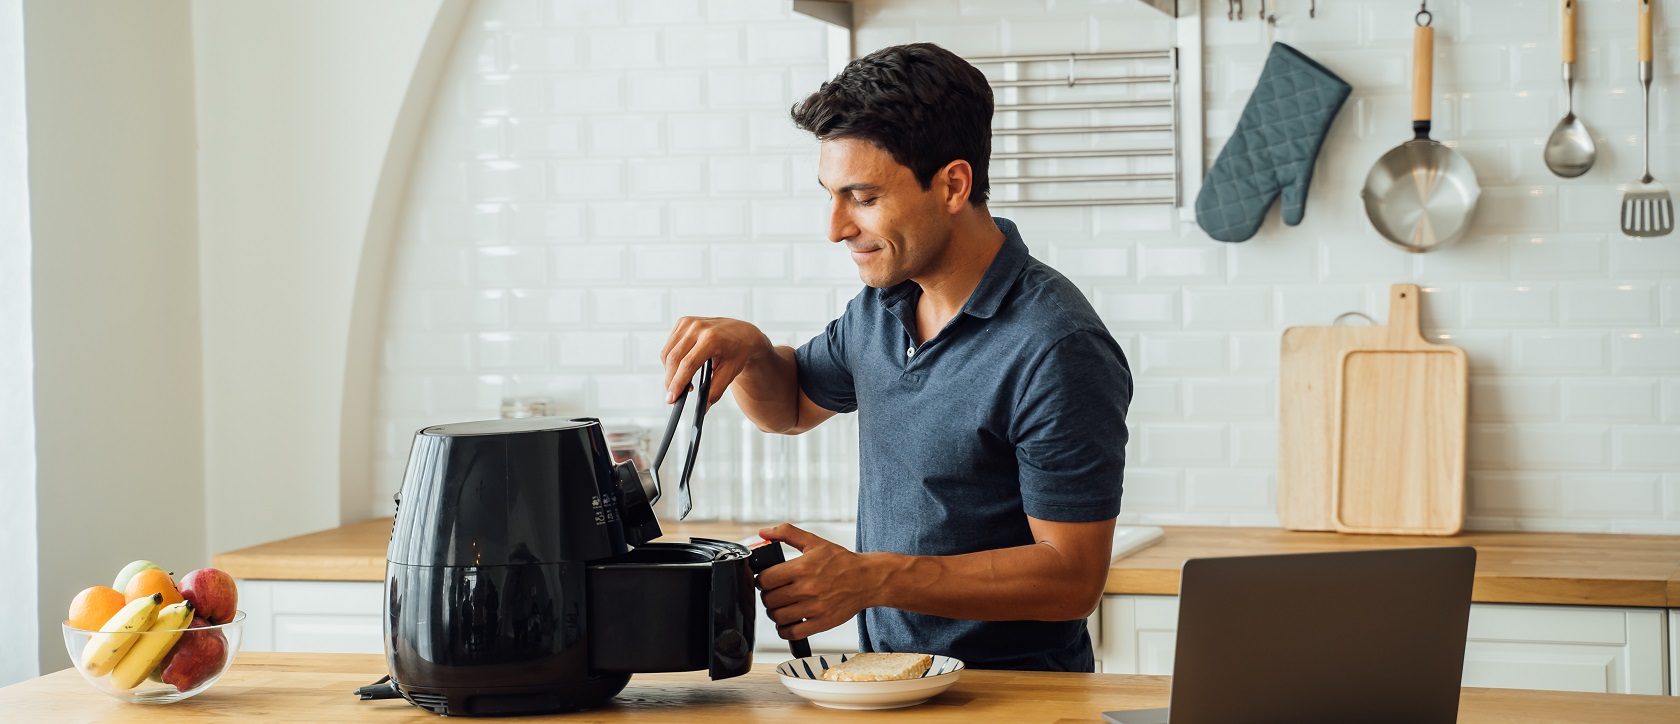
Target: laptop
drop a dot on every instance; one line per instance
(1357, 636)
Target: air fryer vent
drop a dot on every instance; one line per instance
(434, 703)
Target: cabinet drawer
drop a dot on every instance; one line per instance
(329, 633)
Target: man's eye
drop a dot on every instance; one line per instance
(866, 201)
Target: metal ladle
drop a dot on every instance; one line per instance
(1570, 150)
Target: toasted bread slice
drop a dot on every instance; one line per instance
(879, 667)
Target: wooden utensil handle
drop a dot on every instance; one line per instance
(1644, 31)
(1569, 32)
(1423, 72)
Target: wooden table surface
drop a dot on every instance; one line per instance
(316, 688)
(1511, 567)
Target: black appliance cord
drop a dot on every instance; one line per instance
(381, 689)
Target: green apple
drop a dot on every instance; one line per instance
(129, 571)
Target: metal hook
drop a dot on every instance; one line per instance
(1070, 70)
(1312, 10)
(1424, 17)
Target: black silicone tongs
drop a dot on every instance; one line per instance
(703, 390)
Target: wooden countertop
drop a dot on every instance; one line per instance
(316, 688)
(1511, 567)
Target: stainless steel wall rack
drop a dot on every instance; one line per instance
(1084, 129)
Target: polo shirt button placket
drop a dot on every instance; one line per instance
(910, 352)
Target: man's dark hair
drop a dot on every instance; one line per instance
(921, 103)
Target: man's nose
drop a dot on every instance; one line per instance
(840, 226)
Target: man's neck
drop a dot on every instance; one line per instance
(975, 242)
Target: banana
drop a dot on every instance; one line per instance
(107, 647)
(145, 654)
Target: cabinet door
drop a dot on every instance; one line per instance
(1567, 648)
(313, 616)
(1138, 634)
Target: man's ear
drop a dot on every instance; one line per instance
(957, 180)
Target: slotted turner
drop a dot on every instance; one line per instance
(1647, 209)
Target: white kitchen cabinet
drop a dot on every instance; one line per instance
(1567, 648)
(313, 616)
(1563, 648)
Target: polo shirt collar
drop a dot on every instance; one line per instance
(994, 285)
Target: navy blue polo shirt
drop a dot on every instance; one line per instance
(1016, 408)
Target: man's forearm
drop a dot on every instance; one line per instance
(1032, 582)
(768, 390)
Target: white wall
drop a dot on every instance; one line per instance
(600, 171)
(299, 107)
(18, 609)
(116, 328)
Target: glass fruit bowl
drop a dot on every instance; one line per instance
(194, 660)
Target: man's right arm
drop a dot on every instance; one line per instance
(765, 377)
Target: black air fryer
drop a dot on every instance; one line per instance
(520, 578)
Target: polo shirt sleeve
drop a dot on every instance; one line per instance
(1070, 430)
(824, 370)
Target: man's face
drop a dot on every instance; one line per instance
(894, 229)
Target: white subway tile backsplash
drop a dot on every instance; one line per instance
(1153, 400)
(1591, 208)
(1151, 490)
(1611, 400)
(1489, 352)
(627, 220)
(466, 392)
(666, 90)
(1440, 308)
(749, 175)
(668, 263)
(629, 394)
(1511, 305)
(1475, 258)
(623, 48)
(709, 219)
(587, 263)
(706, 132)
(1168, 353)
(586, 92)
(1513, 399)
(1129, 307)
(1319, 305)
(1353, 261)
(1647, 448)
(1671, 303)
(1228, 308)
(711, 302)
(666, 176)
(1561, 352)
(587, 179)
(512, 350)
(546, 307)
(552, 222)
(1254, 445)
(645, 348)
(704, 45)
(1231, 398)
(1509, 493)
(1092, 261)
(1671, 400)
(784, 43)
(1644, 257)
(1285, 261)
(605, 350)
(750, 262)
(820, 262)
(509, 265)
(805, 220)
(1256, 352)
(1245, 490)
(1543, 256)
(452, 309)
(1170, 444)
(1650, 351)
(1614, 495)
(1516, 447)
(1158, 263)
(662, 12)
(792, 306)
(749, 87)
(1609, 303)
(626, 307)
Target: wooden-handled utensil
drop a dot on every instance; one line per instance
(1647, 209)
(1570, 151)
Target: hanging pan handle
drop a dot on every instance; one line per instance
(1423, 75)
(1568, 32)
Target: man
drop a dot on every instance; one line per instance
(991, 400)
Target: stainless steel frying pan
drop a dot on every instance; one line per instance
(1421, 194)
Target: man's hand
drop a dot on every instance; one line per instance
(824, 587)
(730, 344)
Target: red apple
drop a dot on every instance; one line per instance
(196, 658)
(212, 592)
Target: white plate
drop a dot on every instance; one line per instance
(800, 677)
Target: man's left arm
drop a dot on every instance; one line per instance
(1070, 435)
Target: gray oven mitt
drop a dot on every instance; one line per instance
(1273, 149)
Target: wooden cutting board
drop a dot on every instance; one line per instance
(1401, 415)
(1307, 418)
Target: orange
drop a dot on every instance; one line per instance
(94, 606)
(150, 581)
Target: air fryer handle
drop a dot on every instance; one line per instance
(764, 555)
